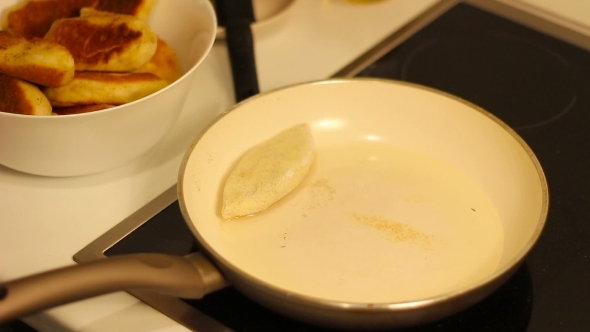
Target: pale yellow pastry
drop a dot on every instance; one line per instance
(268, 172)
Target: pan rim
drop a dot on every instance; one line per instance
(508, 267)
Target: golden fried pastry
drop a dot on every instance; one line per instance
(88, 88)
(35, 60)
(90, 11)
(268, 172)
(113, 43)
(34, 17)
(138, 8)
(80, 109)
(163, 64)
(21, 97)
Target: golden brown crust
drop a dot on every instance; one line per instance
(12, 98)
(8, 40)
(81, 109)
(116, 78)
(34, 17)
(35, 60)
(88, 88)
(163, 64)
(137, 8)
(20, 97)
(86, 54)
(89, 11)
(116, 43)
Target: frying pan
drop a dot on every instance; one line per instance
(418, 205)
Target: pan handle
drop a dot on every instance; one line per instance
(192, 276)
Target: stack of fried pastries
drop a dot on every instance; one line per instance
(77, 56)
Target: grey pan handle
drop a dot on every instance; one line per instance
(191, 276)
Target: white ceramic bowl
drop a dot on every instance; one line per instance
(82, 144)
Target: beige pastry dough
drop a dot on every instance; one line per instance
(268, 172)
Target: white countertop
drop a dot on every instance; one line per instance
(44, 221)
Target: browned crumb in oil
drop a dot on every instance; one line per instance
(322, 192)
(394, 230)
(284, 236)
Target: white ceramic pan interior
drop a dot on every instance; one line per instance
(414, 194)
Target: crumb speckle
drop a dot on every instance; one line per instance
(283, 242)
(322, 193)
(396, 231)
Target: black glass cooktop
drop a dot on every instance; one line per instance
(536, 83)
